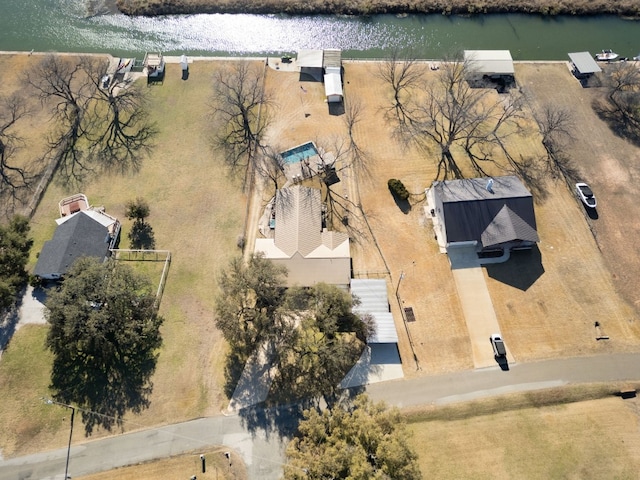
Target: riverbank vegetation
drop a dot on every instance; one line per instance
(629, 8)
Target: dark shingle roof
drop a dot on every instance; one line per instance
(507, 226)
(491, 216)
(80, 236)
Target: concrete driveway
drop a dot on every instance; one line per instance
(475, 300)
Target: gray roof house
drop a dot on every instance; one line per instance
(495, 213)
(311, 253)
(87, 233)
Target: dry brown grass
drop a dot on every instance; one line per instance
(545, 7)
(182, 466)
(588, 440)
(198, 211)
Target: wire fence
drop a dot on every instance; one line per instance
(128, 255)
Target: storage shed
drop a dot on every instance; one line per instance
(333, 85)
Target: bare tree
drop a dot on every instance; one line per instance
(13, 179)
(97, 128)
(555, 125)
(401, 71)
(121, 133)
(58, 81)
(448, 112)
(621, 106)
(239, 117)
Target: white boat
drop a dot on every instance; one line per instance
(606, 55)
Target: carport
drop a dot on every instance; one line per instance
(311, 63)
(583, 64)
(380, 361)
(492, 63)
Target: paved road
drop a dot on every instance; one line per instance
(263, 452)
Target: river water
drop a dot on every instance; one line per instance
(87, 26)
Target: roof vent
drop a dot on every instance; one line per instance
(490, 185)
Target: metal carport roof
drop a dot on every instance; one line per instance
(490, 62)
(373, 300)
(584, 62)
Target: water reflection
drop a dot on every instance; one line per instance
(69, 25)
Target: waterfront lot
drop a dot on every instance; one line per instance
(546, 301)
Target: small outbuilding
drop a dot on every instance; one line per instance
(583, 65)
(333, 85)
(311, 63)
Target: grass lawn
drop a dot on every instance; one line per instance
(28, 424)
(590, 439)
(197, 212)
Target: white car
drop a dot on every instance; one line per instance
(585, 195)
(497, 343)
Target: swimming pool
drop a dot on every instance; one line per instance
(299, 153)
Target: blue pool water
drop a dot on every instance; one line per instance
(299, 153)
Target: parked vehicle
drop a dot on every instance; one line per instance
(497, 343)
(585, 195)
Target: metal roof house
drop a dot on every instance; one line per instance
(311, 253)
(87, 233)
(583, 64)
(492, 63)
(495, 214)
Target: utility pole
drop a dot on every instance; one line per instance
(48, 401)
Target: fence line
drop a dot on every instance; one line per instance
(156, 253)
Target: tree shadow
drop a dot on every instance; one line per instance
(141, 236)
(521, 271)
(279, 420)
(617, 121)
(403, 205)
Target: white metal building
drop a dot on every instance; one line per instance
(493, 63)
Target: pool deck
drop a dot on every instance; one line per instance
(307, 168)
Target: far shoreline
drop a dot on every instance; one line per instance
(623, 8)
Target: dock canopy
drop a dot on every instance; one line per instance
(490, 62)
(583, 63)
(310, 58)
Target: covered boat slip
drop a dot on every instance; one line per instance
(493, 63)
(583, 64)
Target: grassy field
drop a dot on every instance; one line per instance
(197, 212)
(367, 7)
(518, 436)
